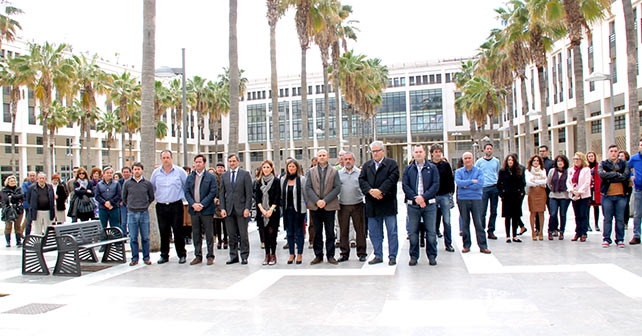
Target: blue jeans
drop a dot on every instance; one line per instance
(428, 214)
(293, 222)
(637, 213)
(468, 208)
(123, 219)
(444, 204)
(490, 194)
(112, 216)
(138, 222)
(375, 228)
(613, 206)
(558, 205)
(581, 208)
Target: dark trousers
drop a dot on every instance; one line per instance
(490, 195)
(237, 226)
(468, 208)
(422, 217)
(356, 213)
(170, 220)
(581, 209)
(219, 229)
(293, 222)
(323, 219)
(514, 220)
(269, 238)
(203, 224)
(558, 206)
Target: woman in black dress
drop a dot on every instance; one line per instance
(511, 185)
(267, 195)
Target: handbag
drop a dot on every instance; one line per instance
(85, 204)
(9, 214)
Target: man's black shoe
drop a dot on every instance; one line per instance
(450, 248)
(243, 261)
(432, 262)
(375, 261)
(363, 258)
(162, 260)
(413, 262)
(492, 236)
(392, 262)
(232, 261)
(181, 260)
(343, 258)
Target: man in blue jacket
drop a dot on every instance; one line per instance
(420, 184)
(108, 195)
(200, 192)
(636, 166)
(470, 182)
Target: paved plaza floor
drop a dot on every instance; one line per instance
(532, 288)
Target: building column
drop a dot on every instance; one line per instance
(22, 148)
(290, 135)
(315, 141)
(408, 127)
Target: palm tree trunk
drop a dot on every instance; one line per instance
(87, 145)
(326, 99)
(233, 133)
(131, 156)
(350, 137)
(581, 144)
(543, 92)
(109, 140)
(14, 112)
(215, 142)
(199, 130)
(338, 107)
(509, 107)
(304, 107)
(122, 145)
(46, 153)
(631, 71)
(528, 142)
(275, 101)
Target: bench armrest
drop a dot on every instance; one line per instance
(113, 233)
(33, 242)
(66, 243)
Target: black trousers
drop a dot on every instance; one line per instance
(220, 230)
(356, 213)
(203, 224)
(323, 219)
(170, 220)
(513, 222)
(270, 234)
(237, 228)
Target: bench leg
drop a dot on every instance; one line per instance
(33, 260)
(114, 253)
(68, 263)
(88, 254)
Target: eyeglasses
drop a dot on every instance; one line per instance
(577, 159)
(376, 150)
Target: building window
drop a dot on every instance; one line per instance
(256, 156)
(536, 139)
(459, 115)
(391, 115)
(532, 89)
(320, 105)
(297, 130)
(256, 128)
(596, 126)
(39, 145)
(561, 135)
(6, 112)
(569, 72)
(411, 80)
(426, 111)
(620, 122)
(284, 110)
(7, 140)
(32, 107)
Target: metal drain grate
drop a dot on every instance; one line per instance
(34, 308)
(93, 268)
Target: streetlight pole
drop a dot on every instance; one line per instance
(184, 112)
(611, 74)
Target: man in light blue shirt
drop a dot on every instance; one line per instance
(469, 180)
(489, 165)
(169, 185)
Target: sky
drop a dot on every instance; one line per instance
(399, 31)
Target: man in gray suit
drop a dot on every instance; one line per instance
(236, 202)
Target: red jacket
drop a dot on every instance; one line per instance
(596, 182)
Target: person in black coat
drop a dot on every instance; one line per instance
(42, 208)
(11, 200)
(511, 184)
(378, 182)
(267, 195)
(201, 208)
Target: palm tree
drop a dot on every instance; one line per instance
(480, 100)
(275, 10)
(47, 66)
(324, 37)
(8, 26)
(218, 106)
(109, 124)
(631, 71)
(197, 90)
(14, 79)
(175, 96)
(56, 119)
(148, 124)
(125, 91)
(233, 86)
(575, 18)
(90, 80)
(161, 129)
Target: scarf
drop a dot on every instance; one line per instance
(559, 180)
(576, 176)
(297, 190)
(292, 176)
(83, 183)
(538, 173)
(266, 184)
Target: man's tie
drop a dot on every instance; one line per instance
(233, 178)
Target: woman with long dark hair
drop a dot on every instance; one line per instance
(624, 155)
(82, 202)
(559, 198)
(536, 185)
(11, 200)
(511, 184)
(294, 209)
(267, 195)
(596, 196)
(578, 184)
(219, 226)
(60, 194)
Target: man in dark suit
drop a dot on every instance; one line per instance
(420, 184)
(378, 182)
(200, 191)
(236, 202)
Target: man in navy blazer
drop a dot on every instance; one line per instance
(421, 190)
(200, 191)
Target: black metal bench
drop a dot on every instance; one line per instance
(74, 242)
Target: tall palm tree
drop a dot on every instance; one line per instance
(575, 17)
(14, 79)
(46, 65)
(90, 80)
(148, 122)
(56, 119)
(161, 129)
(275, 11)
(233, 133)
(198, 92)
(175, 96)
(109, 123)
(9, 26)
(218, 106)
(480, 100)
(631, 71)
(324, 37)
(125, 91)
